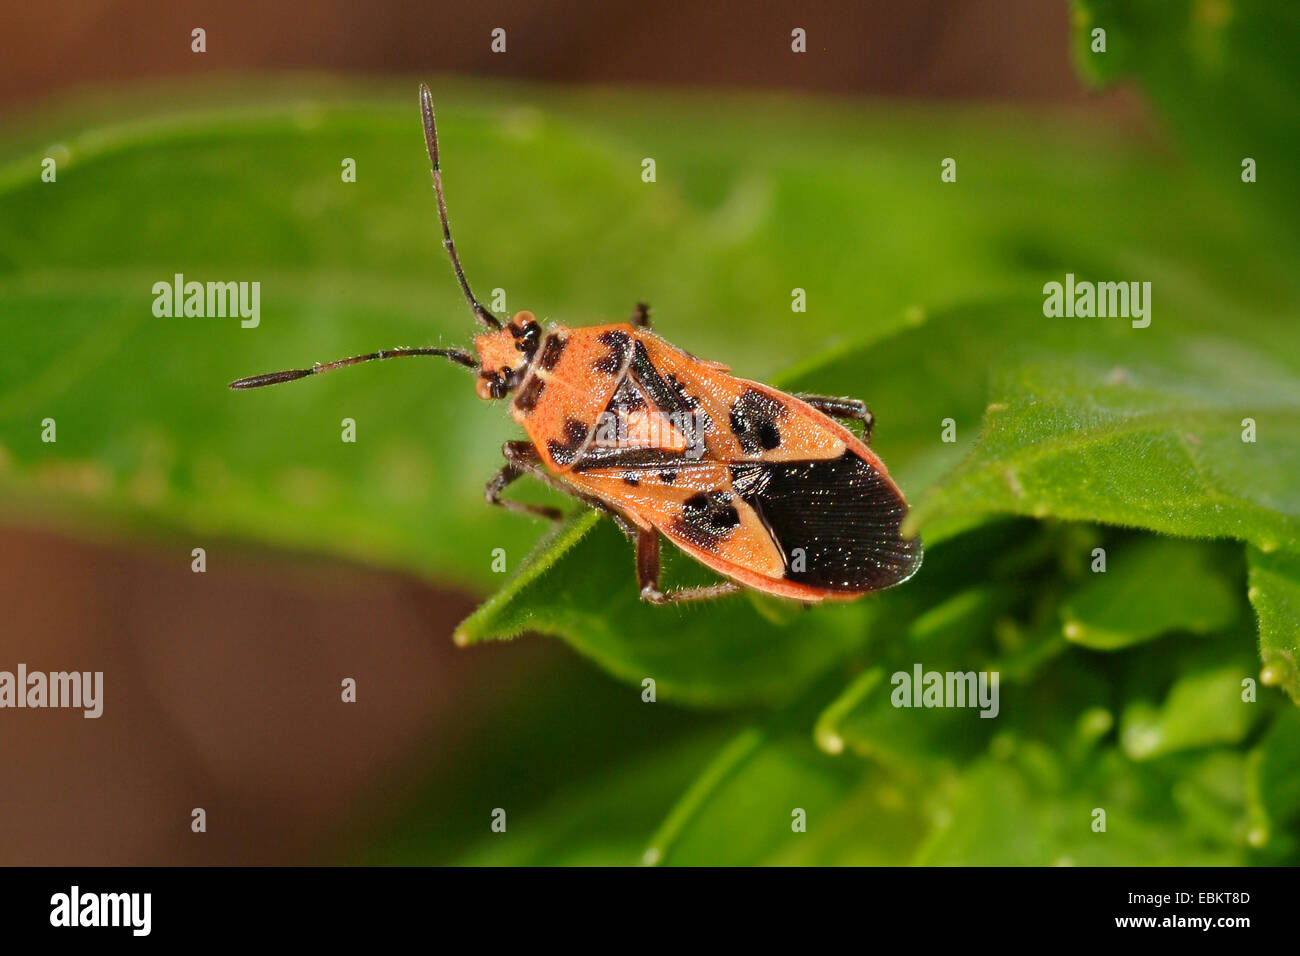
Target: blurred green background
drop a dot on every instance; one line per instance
(1156, 691)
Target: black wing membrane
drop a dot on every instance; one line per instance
(843, 515)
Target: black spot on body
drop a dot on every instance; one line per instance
(612, 363)
(841, 512)
(627, 398)
(560, 454)
(599, 456)
(574, 431)
(679, 387)
(631, 480)
(668, 477)
(528, 396)
(753, 421)
(707, 517)
(563, 453)
(666, 397)
(552, 351)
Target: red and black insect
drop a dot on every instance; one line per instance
(765, 488)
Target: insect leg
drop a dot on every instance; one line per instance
(521, 458)
(842, 408)
(647, 573)
(628, 528)
(641, 315)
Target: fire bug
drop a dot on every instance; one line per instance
(767, 489)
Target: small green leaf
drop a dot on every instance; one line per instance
(1004, 812)
(867, 721)
(883, 714)
(1152, 586)
(1202, 709)
(771, 798)
(958, 617)
(1273, 782)
(601, 821)
(1275, 594)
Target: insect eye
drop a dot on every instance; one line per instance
(499, 387)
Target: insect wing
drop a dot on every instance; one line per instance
(692, 505)
(777, 494)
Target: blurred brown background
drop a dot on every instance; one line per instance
(991, 49)
(284, 773)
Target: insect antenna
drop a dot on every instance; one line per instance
(431, 141)
(459, 356)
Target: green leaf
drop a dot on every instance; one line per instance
(771, 798)
(866, 721)
(1273, 784)
(1003, 813)
(602, 821)
(1202, 709)
(878, 715)
(1029, 798)
(581, 584)
(1131, 442)
(1275, 594)
(1221, 73)
(1150, 587)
